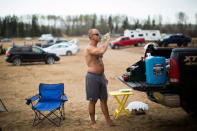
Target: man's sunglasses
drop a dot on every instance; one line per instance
(97, 34)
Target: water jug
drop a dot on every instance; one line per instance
(155, 70)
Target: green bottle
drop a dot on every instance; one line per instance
(103, 37)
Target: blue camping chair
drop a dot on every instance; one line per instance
(51, 99)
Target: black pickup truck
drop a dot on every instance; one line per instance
(181, 82)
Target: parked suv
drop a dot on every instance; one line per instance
(125, 41)
(19, 54)
(178, 39)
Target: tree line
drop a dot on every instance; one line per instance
(35, 25)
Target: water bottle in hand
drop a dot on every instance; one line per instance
(104, 37)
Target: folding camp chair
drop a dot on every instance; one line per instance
(51, 99)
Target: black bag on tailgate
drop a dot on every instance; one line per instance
(137, 71)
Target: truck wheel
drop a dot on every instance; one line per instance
(68, 53)
(139, 43)
(17, 62)
(50, 60)
(116, 46)
(185, 44)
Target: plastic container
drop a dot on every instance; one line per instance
(155, 70)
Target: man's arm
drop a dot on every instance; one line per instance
(106, 80)
(101, 50)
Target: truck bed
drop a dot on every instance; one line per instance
(142, 86)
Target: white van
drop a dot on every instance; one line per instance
(46, 37)
(148, 35)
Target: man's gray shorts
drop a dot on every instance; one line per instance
(95, 87)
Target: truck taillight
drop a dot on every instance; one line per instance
(8, 54)
(174, 72)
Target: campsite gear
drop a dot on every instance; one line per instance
(136, 72)
(155, 70)
(137, 107)
(103, 37)
(125, 77)
(125, 90)
(51, 98)
(121, 103)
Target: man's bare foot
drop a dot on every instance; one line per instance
(95, 126)
(111, 123)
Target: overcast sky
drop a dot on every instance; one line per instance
(133, 8)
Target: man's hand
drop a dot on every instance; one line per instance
(107, 36)
(106, 81)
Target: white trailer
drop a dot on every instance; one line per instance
(148, 35)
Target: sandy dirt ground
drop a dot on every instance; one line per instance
(18, 83)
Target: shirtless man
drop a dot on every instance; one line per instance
(96, 82)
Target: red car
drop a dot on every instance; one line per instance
(125, 41)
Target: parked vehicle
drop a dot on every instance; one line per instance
(178, 39)
(148, 35)
(28, 38)
(75, 42)
(50, 43)
(125, 41)
(64, 48)
(21, 54)
(179, 88)
(5, 40)
(46, 37)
